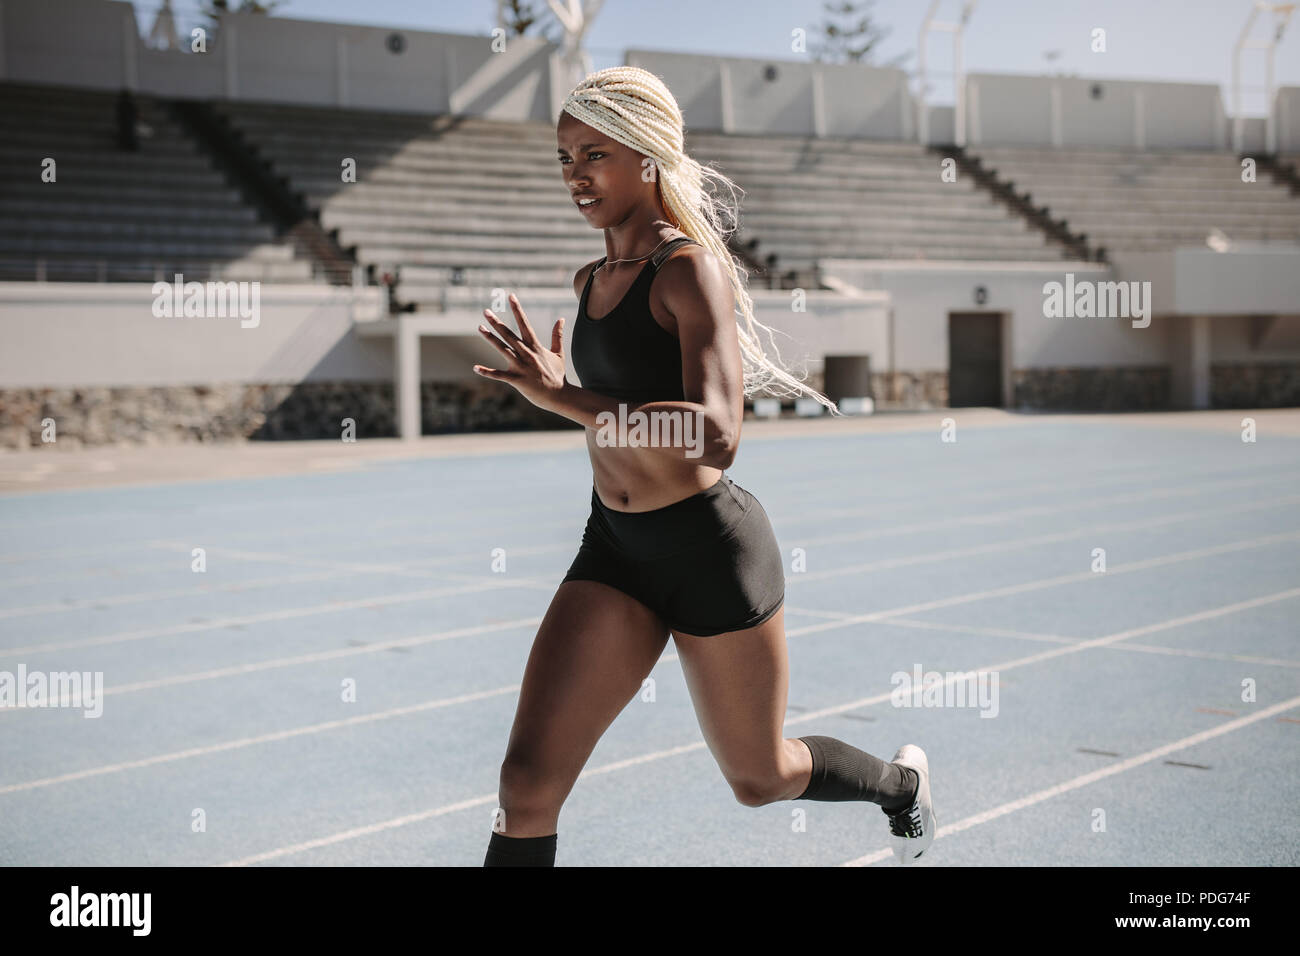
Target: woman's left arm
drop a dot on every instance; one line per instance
(696, 291)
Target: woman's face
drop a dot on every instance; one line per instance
(595, 166)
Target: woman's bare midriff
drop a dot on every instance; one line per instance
(643, 479)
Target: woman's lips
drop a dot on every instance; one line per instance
(592, 205)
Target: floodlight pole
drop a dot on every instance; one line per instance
(576, 17)
(1281, 16)
(958, 75)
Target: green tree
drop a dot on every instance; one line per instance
(851, 34)
(520, 16)
(213, 9)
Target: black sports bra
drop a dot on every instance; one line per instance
(627, 354)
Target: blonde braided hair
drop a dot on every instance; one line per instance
(634, 107)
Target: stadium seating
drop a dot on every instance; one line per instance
(115, 215)
(476, 202)
(479, 203)
(812, 198)
(1127, 200)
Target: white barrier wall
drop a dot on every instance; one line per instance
(1068, 111)
(1286, 113)
(96, 44)
(923, 295)
(793, 97)
(62, 335)
(1250, 280)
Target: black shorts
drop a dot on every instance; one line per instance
(706, 565)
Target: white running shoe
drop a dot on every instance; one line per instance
(913, 827)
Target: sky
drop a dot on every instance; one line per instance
(1170, 40)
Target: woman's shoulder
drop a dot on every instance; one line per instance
(580, 277)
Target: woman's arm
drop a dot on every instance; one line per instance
(695, 290)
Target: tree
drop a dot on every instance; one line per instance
(213, 9)
(854, 36)
(518, 16)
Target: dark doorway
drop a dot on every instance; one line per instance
(975, 359)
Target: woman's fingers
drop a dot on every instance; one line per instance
(500, 346)
(496, 373)
(503, 330)
(525, 329)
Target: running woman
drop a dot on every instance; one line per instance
(672, 544)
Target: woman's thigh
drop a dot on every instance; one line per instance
(595, 647)
(739, 683)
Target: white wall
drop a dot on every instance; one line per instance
(1046, 111)
(1249, 280)
(96, 44)
(1286, 113)
(923, 295)
(829, 323)
(734, 95)
(86, 334)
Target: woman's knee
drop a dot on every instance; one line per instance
(758, 789)
(528, 785)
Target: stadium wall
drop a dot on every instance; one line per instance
(1102, 113)
(96, 360)
(96, 44)
(1083, 363)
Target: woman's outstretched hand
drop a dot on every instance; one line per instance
(536, 372)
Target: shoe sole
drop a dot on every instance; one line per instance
(909, 851)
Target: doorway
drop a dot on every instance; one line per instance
(975, 359)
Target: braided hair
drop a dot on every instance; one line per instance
(635, 108)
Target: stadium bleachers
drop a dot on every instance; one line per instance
(471, 202)
(476, 202)
(116, 215)
(812, 198)
(452, 201)
(1126, 200)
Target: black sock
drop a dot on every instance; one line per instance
(520, 851)
(842, 772)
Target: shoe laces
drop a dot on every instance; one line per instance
(905, 823)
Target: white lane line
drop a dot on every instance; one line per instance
(439, 536)
(253, 741)
(1095, 642)
(491, 799)
(1208, 655)
(260, 618)
(1002, 490)
(1054, 508)
(1043, 583)
(1055, 638)
(77, 604)
(1083, 780)
(1012, 544)
(937, 626)
(905, 529)
(790, 632)
(505, 582)
(313, 658)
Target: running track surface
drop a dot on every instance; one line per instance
(1121, 736)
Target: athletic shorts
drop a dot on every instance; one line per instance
(706, 565)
